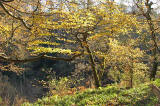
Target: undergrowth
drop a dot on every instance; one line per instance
(112, 94)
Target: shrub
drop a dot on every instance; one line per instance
(59, 87)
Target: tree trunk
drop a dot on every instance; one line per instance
(131, 78)
(84, 45)
(93, 66)
(155, 51)
(154, 69)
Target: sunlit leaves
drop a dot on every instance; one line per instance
(38, 50)
(122, 53)
(98, 35)
(4, 31)
(99, 20)
(38, 42)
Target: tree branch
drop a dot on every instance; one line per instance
(18, 18)
(7, 0)
(7, 59)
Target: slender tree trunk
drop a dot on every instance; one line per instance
(84, 44)
(93, 66)
(155, 50)
(154, 69)
(129, 70)
(131, 78)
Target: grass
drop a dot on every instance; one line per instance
(138, 96)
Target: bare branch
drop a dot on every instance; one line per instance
(18, 18)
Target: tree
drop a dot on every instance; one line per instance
(126, 58)
(76, 25)
(84, 26)
(146, 10)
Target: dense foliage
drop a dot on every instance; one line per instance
(62, 49)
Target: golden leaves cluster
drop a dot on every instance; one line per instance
(108, 19)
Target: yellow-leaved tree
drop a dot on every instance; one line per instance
(79, 26)
(70, 28)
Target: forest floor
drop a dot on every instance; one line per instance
(140, 95)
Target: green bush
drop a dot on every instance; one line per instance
(157, 82)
